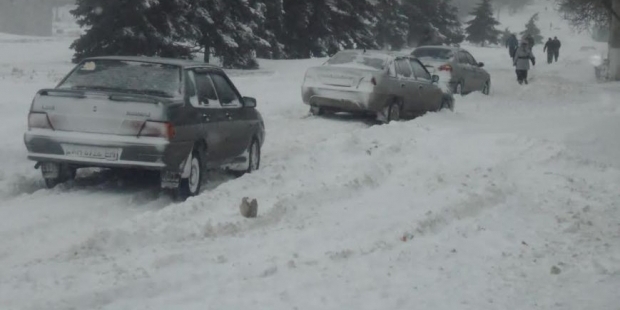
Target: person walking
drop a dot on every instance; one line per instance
(556, 48)
(512, 44)
(521, 61)
(549, 48)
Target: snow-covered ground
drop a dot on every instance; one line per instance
(464, 210)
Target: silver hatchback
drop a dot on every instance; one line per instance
(387, 84)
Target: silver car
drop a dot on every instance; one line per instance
(386, 84)
(465, 73)
(173, 116)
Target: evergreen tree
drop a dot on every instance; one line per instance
(133, 27)
(229, 29)
(432, 22)
(392, 26)
(532, 29)
(481, 29)
(353, 21)
(296, 34)
(271, 28)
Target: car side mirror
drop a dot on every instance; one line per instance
(249, 102)
(480, 64)
(435, 78)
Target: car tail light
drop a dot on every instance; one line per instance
(445, 67)
(157, 129)
(39, 120)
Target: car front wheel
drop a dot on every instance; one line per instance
(254, 156)
(486, 89)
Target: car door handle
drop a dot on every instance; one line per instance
(402, 85)
(421, 86)
(228, 115)
(206, 117)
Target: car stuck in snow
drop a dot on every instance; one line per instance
(177, 117)
(388, 84)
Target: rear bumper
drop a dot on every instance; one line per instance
(345, 100)
(128, 151)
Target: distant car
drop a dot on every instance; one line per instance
(466, 74)
(177, 117)
(389, 85)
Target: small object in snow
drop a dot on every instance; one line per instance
(556, 270)
(524, 243)
(249, 209)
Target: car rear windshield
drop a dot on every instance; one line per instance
(434, 53)
(126, 76)
(358, 60)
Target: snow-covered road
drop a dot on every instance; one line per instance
(464, 210)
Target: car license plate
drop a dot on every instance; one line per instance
(94, 152)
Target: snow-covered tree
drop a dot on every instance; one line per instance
(532, 30)
(133, 27)
(432, 22)
(602, 13)
(392, 28)
(481, 29)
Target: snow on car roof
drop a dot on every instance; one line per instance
(160, 60)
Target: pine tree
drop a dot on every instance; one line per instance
(392, 26)
(229, 29)
(532, 29)
(133, 27)
(432, 22)
(296, 28)
(481, 29)
(352, 21)
(270, 28)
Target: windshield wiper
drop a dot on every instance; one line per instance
(154, 92)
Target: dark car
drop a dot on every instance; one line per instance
(387, 84)
(177, 117)
(465, 74)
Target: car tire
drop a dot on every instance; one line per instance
(65, 174)
(191, 186)
(393, 112)
(253, 156)
(447, 103)
(486, 89)
(458, 89)
(315, 110)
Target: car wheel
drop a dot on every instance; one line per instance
(487, 88)
(254, 156)
(316, 110)
(65, 174)
(393, 112)
(459, 89)
(191, 186)
(447, 103)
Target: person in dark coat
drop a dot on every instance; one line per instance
(556, 48)
(512, 44)
(521, 61)
(549, 49)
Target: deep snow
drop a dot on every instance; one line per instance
(463, 210)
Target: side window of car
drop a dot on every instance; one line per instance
(472, 60)
(226, 93)
(392, 69)
(419, 71)
(463, 59)
(190, 88)
(206, 92)
(403, 68)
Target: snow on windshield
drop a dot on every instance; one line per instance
(122, 75)
(358, 60)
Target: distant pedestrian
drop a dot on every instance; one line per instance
(549, 49)
(521, 61)
(512, 43)
(556, 48)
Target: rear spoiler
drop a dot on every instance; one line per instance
(114, 96)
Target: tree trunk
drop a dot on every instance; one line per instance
(614, 44)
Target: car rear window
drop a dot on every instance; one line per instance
(434, 53)
(126, 76)
(359, 60)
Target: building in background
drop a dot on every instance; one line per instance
(29, 17)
